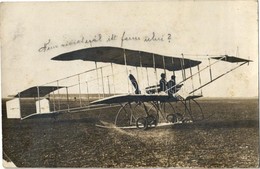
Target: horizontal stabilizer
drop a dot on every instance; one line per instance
(13, 109)
(232, 59)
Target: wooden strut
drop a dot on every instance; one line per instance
(141, 66)
(137, 76)
(68, 103)
(74, 75)
(38, 93)
(102, 82)
(108, 83)
(173, 66)
(182, 70)
(122, 107)
(113, 77)
(131, 114)
(210, 72)
(191, 78)
(87, 92)
(199, 78)
(164, 65)
(195, 73)
(76, 110)
(54, 105)
(147, 77)
(218, 77)
(183, 66)
(155, 72)
(97, 80)
(58, 93)
(19, 95)
(157, 105)
(80, 103)
(126, 72)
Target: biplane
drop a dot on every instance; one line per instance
(129, 81)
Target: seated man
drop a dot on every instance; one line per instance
(163, 83)
(172, 87)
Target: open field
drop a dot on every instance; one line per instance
(228, 138)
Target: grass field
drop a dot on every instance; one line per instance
(228, 138)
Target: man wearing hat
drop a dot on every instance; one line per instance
(172, 86)
(163, 82)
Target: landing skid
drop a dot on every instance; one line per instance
(135, 127)
(159, 125)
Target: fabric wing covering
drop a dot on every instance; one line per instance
(231, 59)
(133, 58)
(140, 98)
(33, 91)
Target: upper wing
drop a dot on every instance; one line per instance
(129, 57)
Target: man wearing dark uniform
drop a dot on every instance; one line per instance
(172, 86)
(163, 83)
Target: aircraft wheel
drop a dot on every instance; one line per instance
(151, 120)
(141, 123)
(179, 116)
(172, 118)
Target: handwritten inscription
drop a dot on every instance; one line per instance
(83, 40)
(128, 38)
(153, 37)
(99, 38)
(47, 46)
(112, 37)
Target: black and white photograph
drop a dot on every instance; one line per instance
(130, 84)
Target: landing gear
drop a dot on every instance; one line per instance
(141, 123)
(144, 115)
(174, 118)
(146, 122)
(152, 120)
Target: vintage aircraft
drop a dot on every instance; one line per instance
(128, 79)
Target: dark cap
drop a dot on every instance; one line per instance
(163, 75)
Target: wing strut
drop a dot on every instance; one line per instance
(196, 73)
(126, 71)
(199, 78)
(58, 93)
(183, 69)
(155, 72)
(191, 78)
(80, 102)
(97, 80)
(102, 80)
(164, 65)
(112, 68)
(210, 72)
(147, 76)
(173, 66)
(68, 101)
(217, 77)
(38, 92)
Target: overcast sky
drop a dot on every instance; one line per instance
(190, 27)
